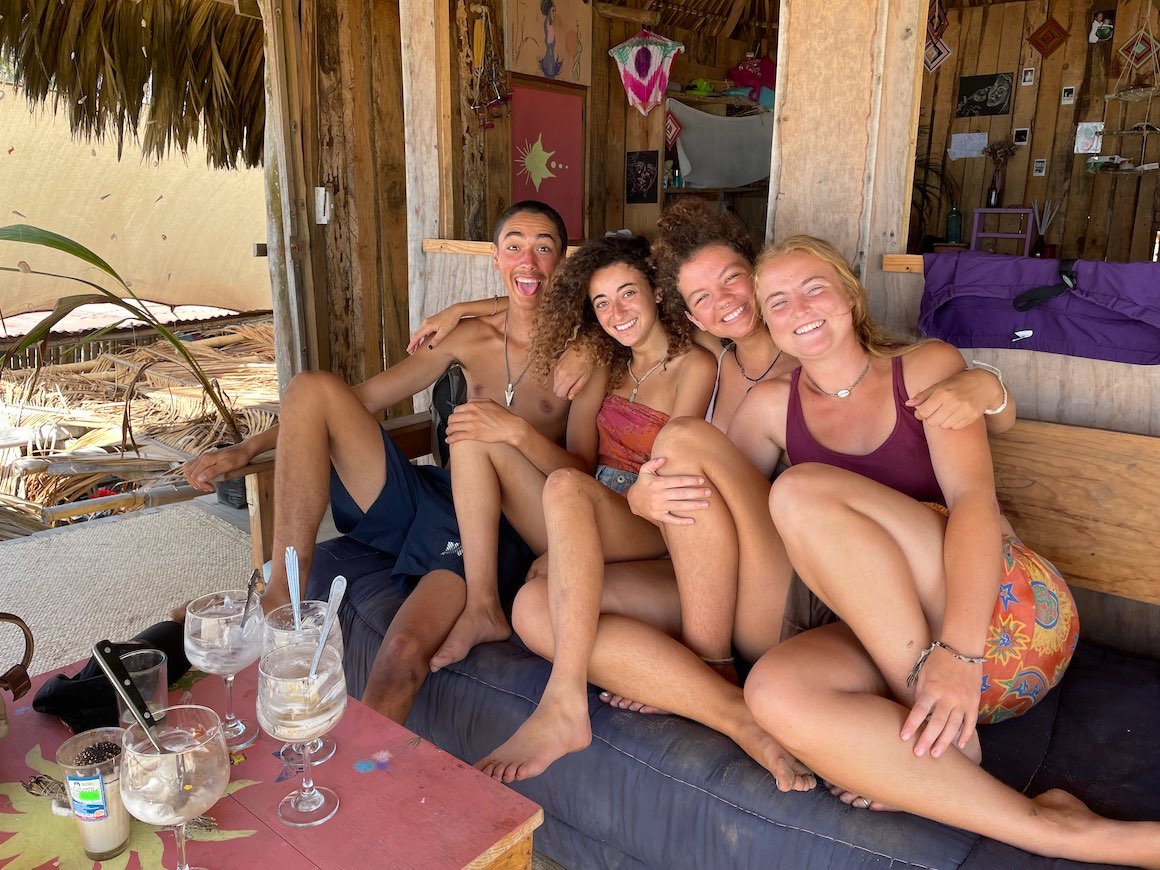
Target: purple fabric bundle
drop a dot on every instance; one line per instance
(1112, 312)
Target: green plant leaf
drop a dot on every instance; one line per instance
(64, 306)
(31, 235)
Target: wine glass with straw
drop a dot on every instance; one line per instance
(223, 635)
(301, 696)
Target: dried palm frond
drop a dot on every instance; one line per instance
(183, 68)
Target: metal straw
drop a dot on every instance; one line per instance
(292, 583)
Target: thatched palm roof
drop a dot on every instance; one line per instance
(183, 69)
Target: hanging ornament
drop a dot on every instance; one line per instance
(644, 62)
(490, 91)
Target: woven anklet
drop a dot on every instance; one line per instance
(727, 661)
(925, 654)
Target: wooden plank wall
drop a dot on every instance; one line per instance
(1106, 216)
(482, 158)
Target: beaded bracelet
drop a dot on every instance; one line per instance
(1002, 406)
(972, 660)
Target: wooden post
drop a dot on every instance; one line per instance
(288, 242)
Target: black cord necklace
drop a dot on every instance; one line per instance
(753, 382)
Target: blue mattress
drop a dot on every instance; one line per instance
(660, 791)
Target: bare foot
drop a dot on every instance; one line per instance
(853, 799)
(551, 732)
(475, 625)
(623, 703)
(790, 774)
(1084, 836)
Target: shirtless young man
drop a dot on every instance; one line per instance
(332, 449)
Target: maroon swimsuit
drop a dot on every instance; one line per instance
(901, 462)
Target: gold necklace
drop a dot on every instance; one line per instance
(509, 393)
(841, 394)
(642, 378)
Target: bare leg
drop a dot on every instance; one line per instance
(417, 630)
(485, 480)
(322, 423)
(586, 523)
(733, 571)
(822, 696)
(638, 660)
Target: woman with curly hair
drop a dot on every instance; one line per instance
(602, 296)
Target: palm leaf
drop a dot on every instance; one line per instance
(31, 235)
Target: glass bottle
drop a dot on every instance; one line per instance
(954, 225)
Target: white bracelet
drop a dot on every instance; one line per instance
(1002, 406)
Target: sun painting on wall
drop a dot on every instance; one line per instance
(548, 151)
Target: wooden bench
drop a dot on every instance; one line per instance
(1087, 499)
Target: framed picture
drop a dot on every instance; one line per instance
(1039, 167)
(1021, 135)
(1089, 136)
(984, 95)
(641, 172)
(1067, 96)
(549, 38)
(1028, 76)
(1103, 23)
(548, 149)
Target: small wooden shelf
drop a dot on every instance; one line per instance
(1133, 95)
(707, 100)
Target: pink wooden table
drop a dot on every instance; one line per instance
(404, 802)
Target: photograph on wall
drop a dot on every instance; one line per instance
(985, 95)
(1021, 135)
(549, 38)
(1028, 77)
(548, 150)
(1067, 96)
(1103, 23)
(1039, 168)
(641, 171)
(1089, 137)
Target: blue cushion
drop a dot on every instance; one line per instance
(660, 791)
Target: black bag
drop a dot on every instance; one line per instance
(87, 700)
(447, 392)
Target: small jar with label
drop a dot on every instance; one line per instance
(91, 764)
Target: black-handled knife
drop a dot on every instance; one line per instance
(115, 670)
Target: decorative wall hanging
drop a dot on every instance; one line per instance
(936, 21)
(1028, 77)
(936, 54)
(1048, 37)
(1067, 96)
(548, 150)
(937, 50)
(549, 38)
(1089, 136)
(490, 90)
(644, 61)
(985, 95)
(641, 169)
(1140, 49)
(672, 129)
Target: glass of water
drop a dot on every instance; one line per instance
(221, 637)
(280, 632)
(184, 778)
(297, 707)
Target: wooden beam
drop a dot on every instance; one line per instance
(734, 16)
(622, 13)
(288, 242)
(902, 263)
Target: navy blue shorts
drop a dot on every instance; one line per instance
(413, 522)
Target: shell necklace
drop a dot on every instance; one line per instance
(509, 393)
(841, 394)
(638, 381)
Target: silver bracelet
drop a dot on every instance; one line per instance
(925, 654)
(1002, 406)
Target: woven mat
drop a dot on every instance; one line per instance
(111, 578)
